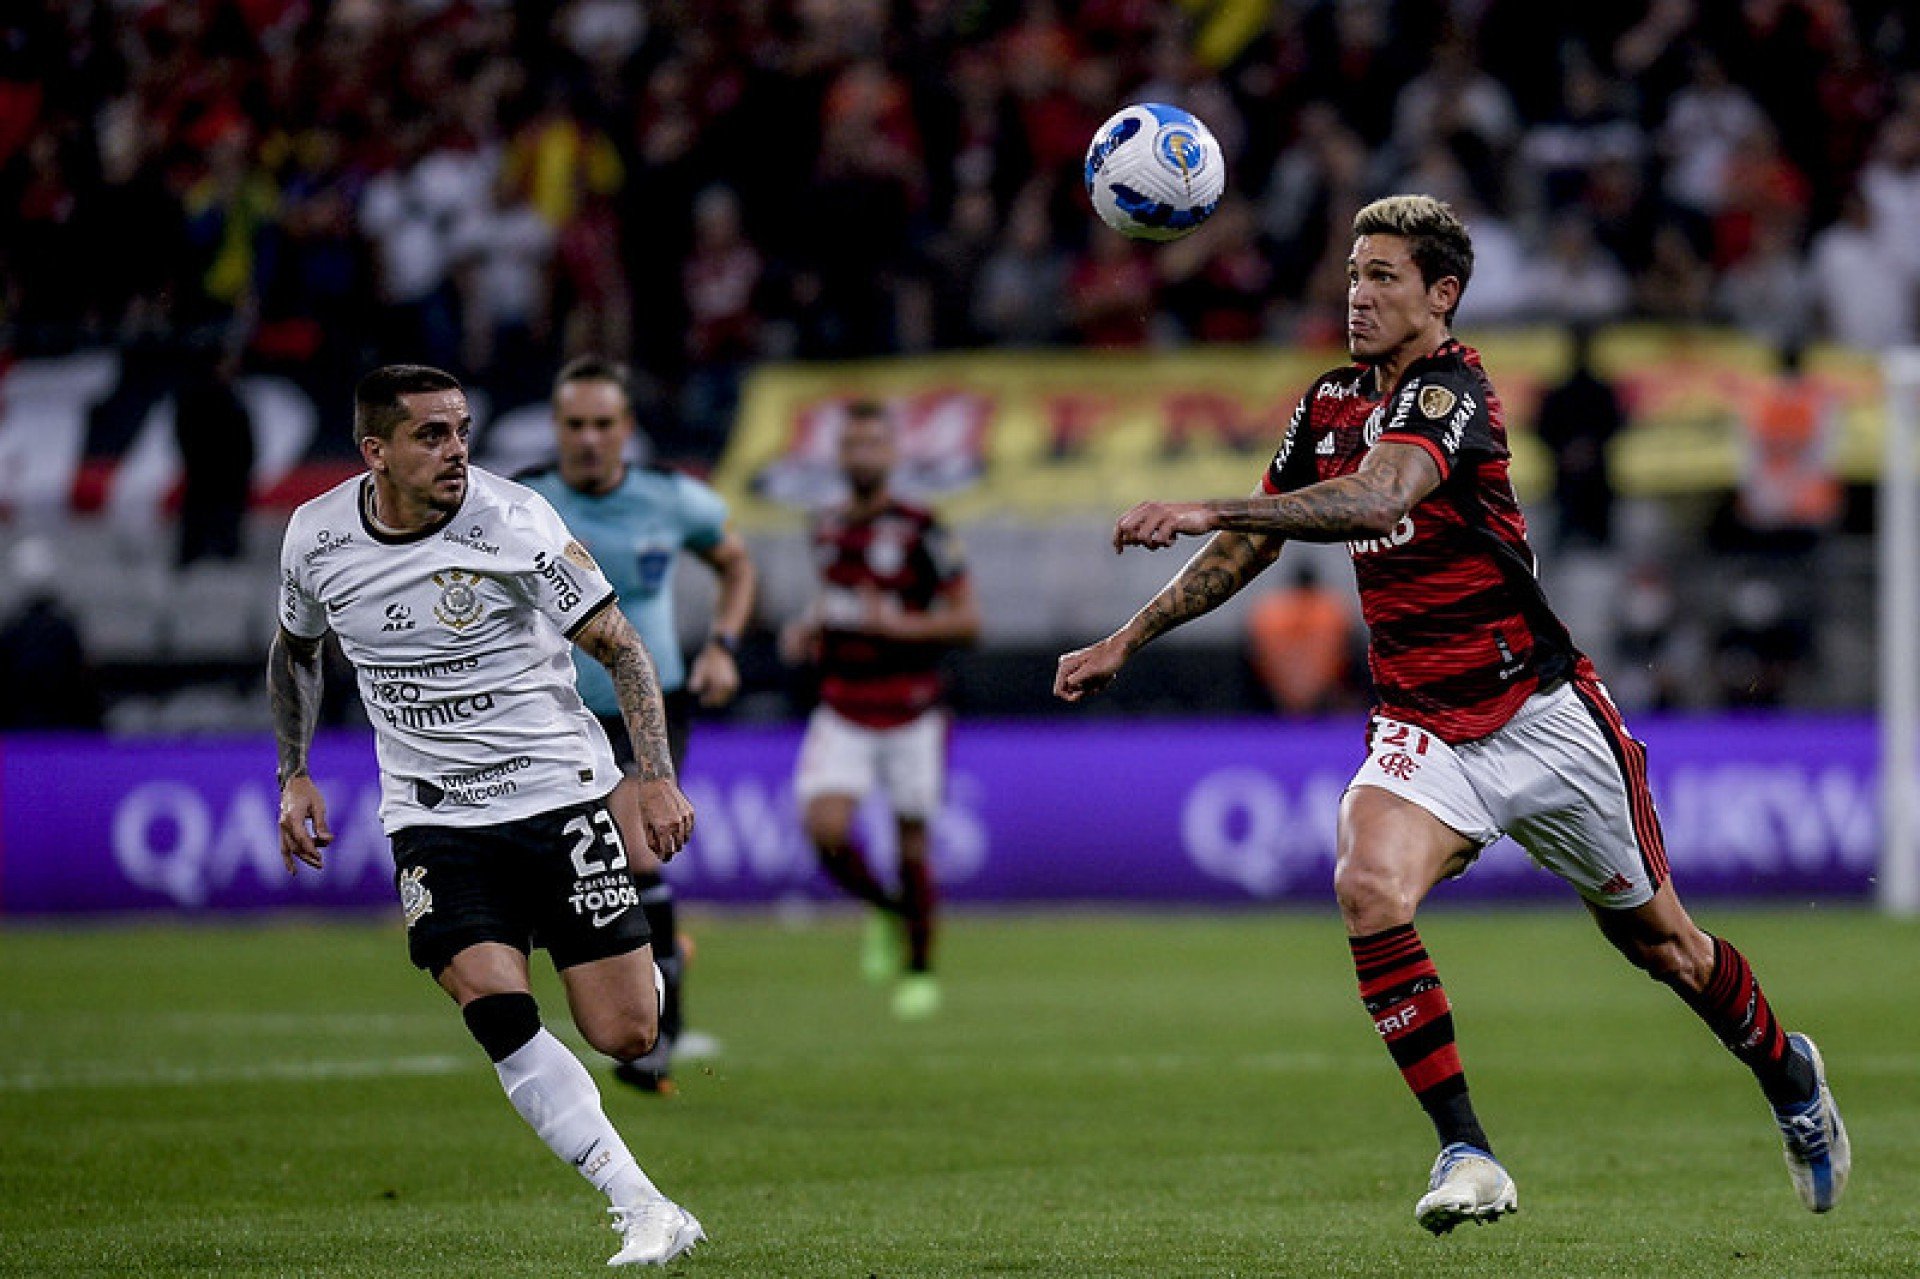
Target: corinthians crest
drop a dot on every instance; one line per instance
(459, 606)
(416, 899)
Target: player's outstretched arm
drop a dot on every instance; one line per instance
(1368, 503)
(715, 677)
(294, 682)
(611, 640)
(1227, 562)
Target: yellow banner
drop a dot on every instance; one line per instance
(1040, 435)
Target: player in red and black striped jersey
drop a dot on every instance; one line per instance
(1489, 720)
(894, 597)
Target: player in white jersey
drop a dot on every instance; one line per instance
(455, 594)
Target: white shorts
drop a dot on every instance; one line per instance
(1563, 777)
(909, 763)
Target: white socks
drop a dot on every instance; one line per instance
(557, 1097)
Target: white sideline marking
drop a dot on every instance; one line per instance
(121, 1075)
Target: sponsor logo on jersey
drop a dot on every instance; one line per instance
(1457, 425)
(329, 542)
(460, 605)
(1286, 443)
(1326, 446)
(404, 709)
(1336, 390)
(473, 539)
(581, 556)
(1436, 402)
(416, 899)
(566, 593)
(473, 789)
(399, 618)
(604, 899)
(1401, 535)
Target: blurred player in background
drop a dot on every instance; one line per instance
(1488, 720)
(894, 597)
(454, 594)
(635, 521)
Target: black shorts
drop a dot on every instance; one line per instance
(558, 880)
(679, 706)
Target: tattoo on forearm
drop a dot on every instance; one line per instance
(1364, 504)
(1330, 512)
(612, 641)
(293, 692)
(1220, 568)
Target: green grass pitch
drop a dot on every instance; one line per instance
(1104, 1095)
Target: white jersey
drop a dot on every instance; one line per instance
(461, 639)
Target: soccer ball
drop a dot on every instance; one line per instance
(1154, 172)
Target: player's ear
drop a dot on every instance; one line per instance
(373, 453)
(1443, 295)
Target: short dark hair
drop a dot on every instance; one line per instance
(1436, 238)
(865, 410)
(376, 400)
(594, 368)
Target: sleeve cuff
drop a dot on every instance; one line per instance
(1433, 450)
(580, 623)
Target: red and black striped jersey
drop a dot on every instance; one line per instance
(903, 554)
(1460, 632)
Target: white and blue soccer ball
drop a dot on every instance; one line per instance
(1154, 172)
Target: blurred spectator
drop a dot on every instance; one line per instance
(1677, 284)
(46, 681)
(721, 280)
(569, 171)
(1577, 281)
(1706, 121)
(954, 260)
(1789, 493)
(1577, 421)
(1022, 284)
(1760, 645)
(1891, 184)
(214, 432)
(1658, 649)
(1455, 102)
(409, 212)
(1769, 293)
(502, 252)
(1591, 127)
(1110, 292)
(1301, 640)
(1867, 292)
(1763, 190)
(1216, 282)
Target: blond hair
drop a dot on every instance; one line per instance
(1436, 238)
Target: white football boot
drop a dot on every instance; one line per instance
(1818, 1154)
(1467, 1184)
(654, 1233)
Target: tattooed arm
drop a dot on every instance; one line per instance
(1227, 562)
(611, 640)
(293, 692)
(1368, 503)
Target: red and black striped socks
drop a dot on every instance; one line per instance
(1403, 995)
(1736, 1010)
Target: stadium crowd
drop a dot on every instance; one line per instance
(309, 187)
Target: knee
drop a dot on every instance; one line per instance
(625, 1038)
(829, 831)
(1371, 897)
